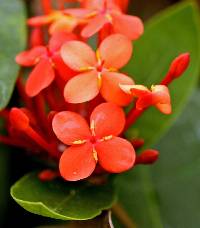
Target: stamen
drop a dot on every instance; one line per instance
(112, 69)
(92, 127)
(105, 138)
(109, 17)
(78, 142)
(99, 82)
(92, 14)
(95, 155)
(82, 69)
(98, 56)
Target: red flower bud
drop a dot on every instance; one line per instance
(137, 143)
(147, 157)
(179, 65)
(18, 119)
(177, 68)
(47, 175)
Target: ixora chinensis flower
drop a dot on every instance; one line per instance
(48, 63)
(98, 143)
(101, 13)
(98, 72)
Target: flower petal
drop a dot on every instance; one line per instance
(70, 127)
(77, 162)
(30, 57)
(164, 108)
(130, 26)
(41, 20)
(94, 25)
(78, 55)
(135, 90)
(59, 38)
(107, 119)
(78, 12)
(63, 70)
(115, 50)
(162, 98)
(82, 88)
(111, 91)
(116, 155)
(67, 24)
(40, 78)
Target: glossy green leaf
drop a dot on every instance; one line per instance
(62, 200)
(12, 41)
(168, 34)
(166, 194)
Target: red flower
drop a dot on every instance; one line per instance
(46, 61)
(158, 96)
(98, 73)
(99, 143)
(57, 20)
(102, 12)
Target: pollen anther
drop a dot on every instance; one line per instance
(95, 155)
(78, 142)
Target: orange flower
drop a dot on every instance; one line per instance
(102, 12)
(57, 20)
(158, 96)
(46, 60)
(98, 73)
(97, 144)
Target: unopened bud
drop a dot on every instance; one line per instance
(147, 157)
(47, 175)
(177, 68)
(137, 143)
(179, 65)
(18, 119)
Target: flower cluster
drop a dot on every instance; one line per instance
(73, 95)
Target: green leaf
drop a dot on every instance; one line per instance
(162, 195)
(168, 34)
(167, 194)
(12, 41)
(62, 200)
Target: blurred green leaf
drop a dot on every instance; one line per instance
(62, 200)
(162, 195)
(12, 41)
(168, 193)
(174, 31)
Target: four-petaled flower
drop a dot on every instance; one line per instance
(158, 96)
(47, 62)
(98, 73)
(103, 12)
(58, 21)
(99, 143)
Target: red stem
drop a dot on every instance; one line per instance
(49, 95)
(132, 117)
(61, 4)
(20, 87)
(13, 142)
(40, 141)
(46, 6)
(167, 80)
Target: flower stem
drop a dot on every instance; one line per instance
(122, 216)
(132, 117)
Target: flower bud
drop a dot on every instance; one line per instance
(147, 157)
(18, 119)
(179, 65)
